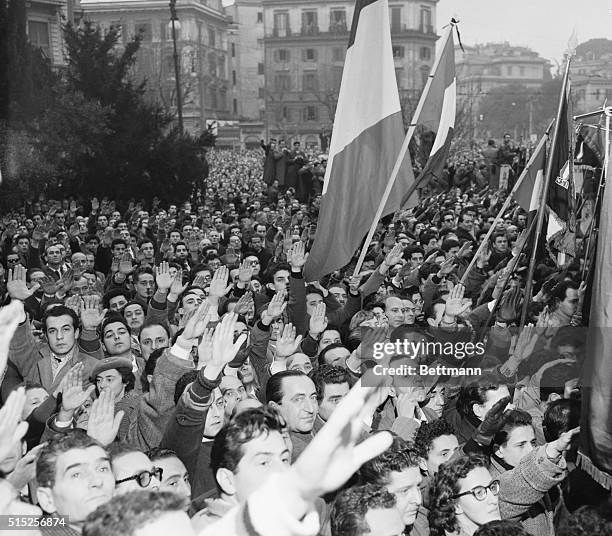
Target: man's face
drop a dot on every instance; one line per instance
(467, 221)
(263, 456)
(299, 362)
(492, 396)
(111, 380)
(337, 357)
(522, 220)
(175, 236)
(61, 334)
(501, 243)
(448, 221)
(405, 486)
(181, 252)
(130, 464)
(340, 294)
(214, 237)
(312, 300)
(145, 286)
(261, 232)
(521, 441)
(135, 316)
(192, 301)
(174, 476)
(409, 310)
(570, 304)
(83, 481)
(254, 264)
(442, 450)
(118, 250)
(281, 280)
(384, 521)
(54, 256)
(233, 392)
(152, 338)
(437, 400)
(393, 310)
(117, 303)
(256, 242)
(215, 417)
(477, 512)
(333, 393)
(102, 222)
(299, 403)
(116, 338)
(416, 259)
(147, 250)
(23, 245)
(329, 336)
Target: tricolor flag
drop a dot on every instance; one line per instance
(366, 139)
(595, 454)
(528, 188)
(435, 114)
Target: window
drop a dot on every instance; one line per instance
(211, 37)
(281, 24)
(283, 113)
(38, 32)
(234, 78)
(309, 54)
(396, 19)
(260, 68)
(310, 113)
(261, 93)
(398, 52)
(163, 28)
(425, 53)
(143, 29)
(337, 54)
(510, 70)
(310, 24)
(233, 50)
(337, 21)
(212, 65)
(222, 99)
(282, 82)
(235, 106)
(282, 55)
(426, 25)
(309, 82)
(522, 70)
(221, 63)
(260, 16)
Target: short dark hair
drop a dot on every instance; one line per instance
(274, 386)
(47, 459)
(117, 241)
(143, 270)
(398, 457)
(512, 418)
(60, 310)
(125, 514)
(274, 268)
(503, 527)
(428, 433)
(160, 453)
(250, 424)
(448, 244)
(120, 448)
(113, 294)
(114, 318)
(329, 348)
(560, 417)
(475, 393)
(328, 375)
(348, 513)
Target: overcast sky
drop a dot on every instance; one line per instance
(543, 25)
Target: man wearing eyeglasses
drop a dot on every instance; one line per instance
(133, 470)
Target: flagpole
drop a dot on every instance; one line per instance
(543, 205)
(505, 206)
(402, 155)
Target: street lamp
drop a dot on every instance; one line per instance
(174, 26)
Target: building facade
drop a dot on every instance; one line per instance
(304, 50)
(202, 44)
(591, 78)
(44, 19)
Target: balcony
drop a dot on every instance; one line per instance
(421, 31)
(426, 29)
(338, 27)
(281, 32)
(310, 30)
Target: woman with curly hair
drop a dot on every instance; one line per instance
(463, 497)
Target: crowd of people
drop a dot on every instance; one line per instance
(166, 368)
